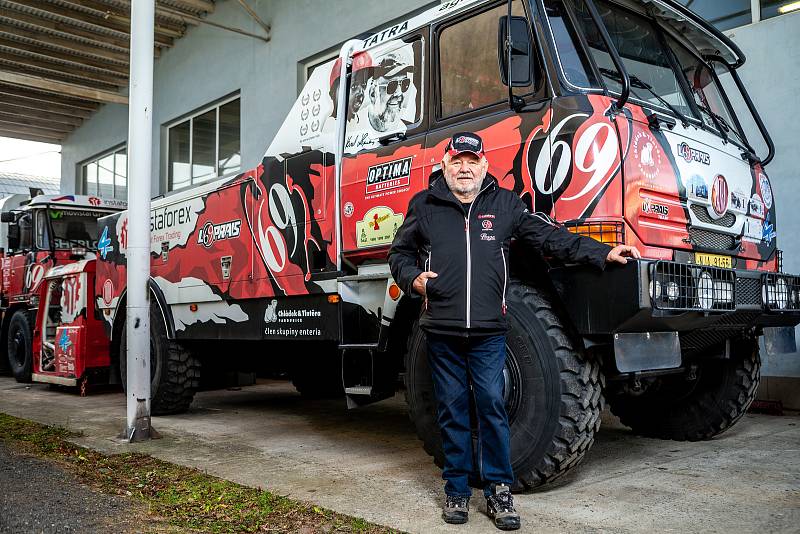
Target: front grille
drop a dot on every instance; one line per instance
(728, 326)
(727, 220)
(782, 292)
(679, 286)
(706, 239)
(748, 291)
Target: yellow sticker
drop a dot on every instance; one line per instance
(377, 227)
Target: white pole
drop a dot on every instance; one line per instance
(140, 153)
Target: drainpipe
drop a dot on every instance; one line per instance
(140, 153)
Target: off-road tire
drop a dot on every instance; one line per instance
(20, 345)
(555, 401)
(319, 375)
(692, 410)
(174, 371)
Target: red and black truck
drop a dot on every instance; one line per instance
(613, 117)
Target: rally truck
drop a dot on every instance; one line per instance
(48, 330)
(615, 118)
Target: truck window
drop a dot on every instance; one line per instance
(25, 232)
(706, 91)
(574, 64)
(645, 57)
(73, 228)
(42, 231)
(469, 72)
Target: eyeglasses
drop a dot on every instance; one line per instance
(391, 87)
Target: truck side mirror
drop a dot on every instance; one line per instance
(7, 216)
(521, 51)
(13, 236)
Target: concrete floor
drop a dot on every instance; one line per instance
(369, 463)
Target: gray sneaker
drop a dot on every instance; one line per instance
(456, 510)
(500, 507)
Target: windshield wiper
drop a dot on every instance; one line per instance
(719, 122)
(640, 84)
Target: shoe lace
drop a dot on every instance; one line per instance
(456, 502)
(503, 501)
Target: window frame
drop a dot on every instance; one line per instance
(167, 126)
(83, 185)
(537, 87)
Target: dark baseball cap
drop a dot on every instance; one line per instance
(465, 142)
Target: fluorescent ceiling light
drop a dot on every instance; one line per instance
(794, 6)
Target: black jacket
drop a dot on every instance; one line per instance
(469, 252)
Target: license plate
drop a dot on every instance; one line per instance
(713, 260)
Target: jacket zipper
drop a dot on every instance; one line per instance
(428, 268)
(505, 278)
(469, 255)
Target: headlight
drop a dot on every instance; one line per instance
(705, 291)
(723, 292)
(778, 294)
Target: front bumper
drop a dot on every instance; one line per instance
(704, 304)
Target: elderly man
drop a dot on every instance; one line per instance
(452, 249)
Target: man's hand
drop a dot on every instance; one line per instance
(422, 280)
(618, 254)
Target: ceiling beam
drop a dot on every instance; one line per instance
(46, 25)
(195, 6)
(29, 137)
(119, 14)
(69, 89)
(26, 65)
(95, 55)
(6, 119)
(124, 7)
(29, 96)
(23, 112)
(7, 130)
(33, 50)
(78, 20)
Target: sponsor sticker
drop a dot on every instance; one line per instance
(647, 153)
(389, 175)
(108, 291)
(348, 209)
(210, 232)
(753, 229)
(757, 206)
(659, 210)
(225, 266)
(690, 154)
(377, 227)
(766, 190)
(697, 187)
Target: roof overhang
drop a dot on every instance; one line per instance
(62, 59)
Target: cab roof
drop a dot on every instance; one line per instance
(77, 201)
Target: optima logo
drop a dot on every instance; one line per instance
(692, 154)
(211, 232)
(388, 175)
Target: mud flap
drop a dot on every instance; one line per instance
(644, 351)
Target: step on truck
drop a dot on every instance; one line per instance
(616, 118)
(48, 328)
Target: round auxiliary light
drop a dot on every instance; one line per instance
(655, 289)
(673, 291)
(796, 298)
(705, 291)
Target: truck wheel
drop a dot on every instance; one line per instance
(319, 376)
(553, 392)
(20, 347)
(174, 371)
(673, 407)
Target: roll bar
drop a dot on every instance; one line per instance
(612, 51)
(756, 117)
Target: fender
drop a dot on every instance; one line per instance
(157, 297)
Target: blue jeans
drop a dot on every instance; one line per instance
(456, 363)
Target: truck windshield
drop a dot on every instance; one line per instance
(74, 228)
(663, 72)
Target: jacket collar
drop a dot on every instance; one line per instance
(437, 186)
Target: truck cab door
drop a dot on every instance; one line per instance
(384, 143)
(470, 95)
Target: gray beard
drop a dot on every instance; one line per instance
(456, 187)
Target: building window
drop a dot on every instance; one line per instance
(724, 14)
(106, 175)
(205, 145)
(773, 8)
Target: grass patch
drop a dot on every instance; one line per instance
(186, 498)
